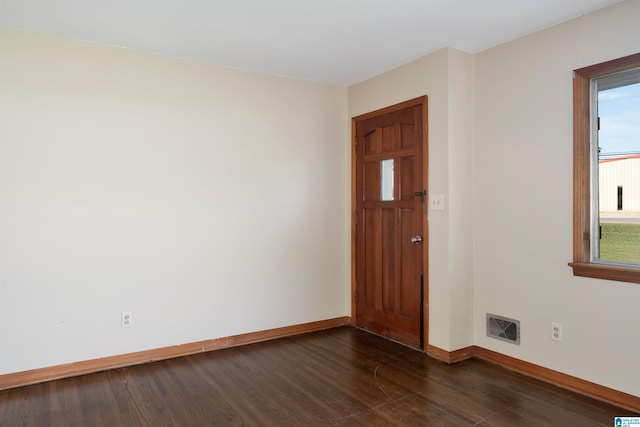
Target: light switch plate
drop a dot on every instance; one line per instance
(436, 202)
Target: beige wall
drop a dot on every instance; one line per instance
(208, 201)
(523, 204)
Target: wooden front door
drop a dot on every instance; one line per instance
(390, 229)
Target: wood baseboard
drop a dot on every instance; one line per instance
(559, 379)
(34, 376)
(450, 356)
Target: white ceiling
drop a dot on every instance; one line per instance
(330, 41)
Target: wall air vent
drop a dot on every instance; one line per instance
(503, 328)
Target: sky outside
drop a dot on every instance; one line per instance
(619, 111)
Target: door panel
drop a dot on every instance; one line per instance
(372, 252)
(389, 267)
(372, 181)
(407, 181)
(388, 264)
(408, 267)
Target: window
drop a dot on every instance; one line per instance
(619, 198)
(606, 232)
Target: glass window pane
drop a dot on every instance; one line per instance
(618, 168)
(386, 177)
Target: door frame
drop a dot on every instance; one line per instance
(423, 101)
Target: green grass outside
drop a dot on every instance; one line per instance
(620, 242)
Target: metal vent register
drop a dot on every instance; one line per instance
(503, 328)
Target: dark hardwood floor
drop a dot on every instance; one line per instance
(338, 377)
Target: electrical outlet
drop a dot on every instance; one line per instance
(556, 331)
(126, 319)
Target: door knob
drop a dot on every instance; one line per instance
(416, 240)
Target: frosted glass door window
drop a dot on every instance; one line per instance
(386, 184)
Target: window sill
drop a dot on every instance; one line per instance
(608, 272)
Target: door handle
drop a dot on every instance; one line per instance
(416, 240)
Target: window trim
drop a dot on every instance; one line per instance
(582, 264)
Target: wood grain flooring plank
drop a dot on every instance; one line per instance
(336, 377)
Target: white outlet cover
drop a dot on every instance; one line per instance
(556, 331)
(126, 319)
